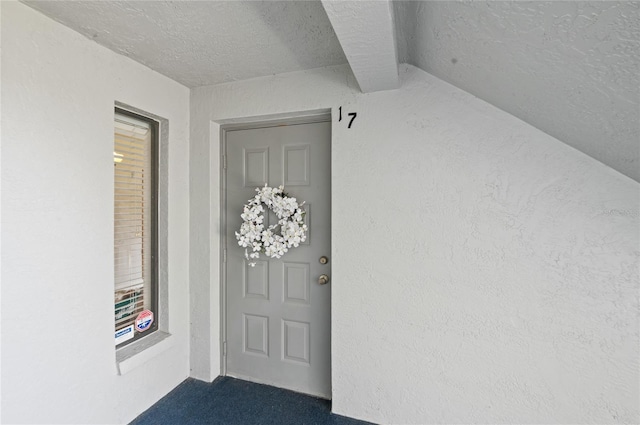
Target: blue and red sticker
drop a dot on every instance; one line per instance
(144, 320)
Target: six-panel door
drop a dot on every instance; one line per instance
(278, 315)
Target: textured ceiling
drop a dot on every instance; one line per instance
(571, 69)
(207, 42)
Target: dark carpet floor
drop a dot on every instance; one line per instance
(232, 401)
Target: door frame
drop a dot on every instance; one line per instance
(306, 117)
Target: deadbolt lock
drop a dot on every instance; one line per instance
(324, 260)
(323, 279)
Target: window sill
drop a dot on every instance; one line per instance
(140, 352)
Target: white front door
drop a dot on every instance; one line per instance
(278, 324)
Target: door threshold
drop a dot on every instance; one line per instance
(272, 384)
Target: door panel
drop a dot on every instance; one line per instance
(278, 315)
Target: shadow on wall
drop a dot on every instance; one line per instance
(568, 68)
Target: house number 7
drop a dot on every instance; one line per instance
(353, 116)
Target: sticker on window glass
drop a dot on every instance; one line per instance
(124, 334)
(144, 321)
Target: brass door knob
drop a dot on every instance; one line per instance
(323, 279)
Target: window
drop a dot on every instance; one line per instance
(135, 226)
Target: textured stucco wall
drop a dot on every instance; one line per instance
(483, 271)
(569, 68)
(58, 355)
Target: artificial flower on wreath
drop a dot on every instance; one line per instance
(271, 241)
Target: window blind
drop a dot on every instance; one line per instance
(132, 218)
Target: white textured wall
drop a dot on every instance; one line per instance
(483, 271)
(58, 356)
(569, 68)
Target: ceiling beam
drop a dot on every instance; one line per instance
(366, 32)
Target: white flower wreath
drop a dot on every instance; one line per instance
(253, 234)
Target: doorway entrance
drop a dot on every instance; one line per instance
(278, 313)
